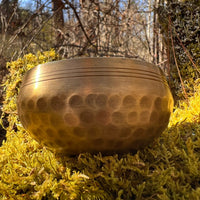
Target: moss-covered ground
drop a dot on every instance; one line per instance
(167, 169)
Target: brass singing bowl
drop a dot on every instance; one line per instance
(95, 104)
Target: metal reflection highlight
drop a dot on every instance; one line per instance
(37, 77)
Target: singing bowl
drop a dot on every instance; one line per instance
(95, 104)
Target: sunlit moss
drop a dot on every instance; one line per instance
(167, 169)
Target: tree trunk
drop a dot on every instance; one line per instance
(57, 7)
(154, 33)
(4, 15)
(149, 21)
(5, 8)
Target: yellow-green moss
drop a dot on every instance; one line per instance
(167, 169)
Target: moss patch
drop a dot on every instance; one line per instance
(167, 169)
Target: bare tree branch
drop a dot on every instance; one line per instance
(79, 20)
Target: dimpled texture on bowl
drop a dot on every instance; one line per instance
(95, 104)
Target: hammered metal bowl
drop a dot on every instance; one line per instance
(95, 104)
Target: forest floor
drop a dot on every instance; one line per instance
(2, 75)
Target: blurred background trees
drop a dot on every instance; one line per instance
(79, 28)
(144, 29)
